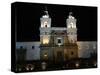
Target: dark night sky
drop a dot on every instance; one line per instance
(28, 20)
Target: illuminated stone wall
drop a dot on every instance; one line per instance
(85, 48)
(32, 49)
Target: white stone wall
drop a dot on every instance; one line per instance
(31, 54)
(86, 47)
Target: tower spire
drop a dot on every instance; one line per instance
(71, 28)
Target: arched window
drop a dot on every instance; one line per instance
(45, 24)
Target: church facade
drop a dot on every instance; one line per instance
(58, 43)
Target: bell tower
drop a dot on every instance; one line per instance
(45, 28)
(71, 28)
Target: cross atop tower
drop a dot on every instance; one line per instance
(46, 13)
(70, 15)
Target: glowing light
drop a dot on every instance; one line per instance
(45, 55)
(27, 68)
(77, 64)
(19, 69)
(32, 68)
(43, 65)
(45, 40)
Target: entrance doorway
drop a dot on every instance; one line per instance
(59, 57)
